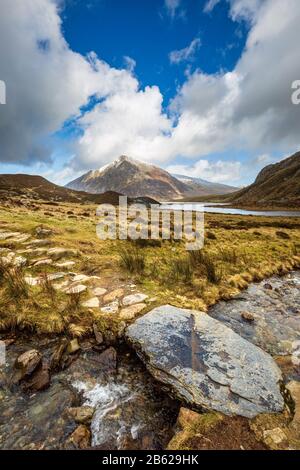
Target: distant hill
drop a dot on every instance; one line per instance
(134, 179)
(202, 187)
(276, 185)
(36, 187)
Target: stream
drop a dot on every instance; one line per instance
(131, 409)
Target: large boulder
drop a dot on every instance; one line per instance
(205, 363)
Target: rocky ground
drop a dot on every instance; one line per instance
(230, 378)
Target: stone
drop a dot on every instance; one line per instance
(91, 303)
(248, 317)
(56, 357)
(206, 363)
(55, 276)
(99, 291)
(26, 363)
(38, 243)
(58, 253)
(98, 335)
(77, 289)
(108, 360)
(40, 379)
(115, 294)
(19, 261)
(43, 232)
(65, 264)
(81, 278)
(268, 286)
(274, 437)
(113, 307)
(32, 281)
(129, 313)
(80, 438)
(81, 414)
(134, 299)
(294, 389)
(73, 346)
(42, 262)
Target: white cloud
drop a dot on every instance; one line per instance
(185, 54)
(216, 172)
(130, 63)
(210, 5)
(172, 6)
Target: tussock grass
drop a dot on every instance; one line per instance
(181, 269)
(132, 259)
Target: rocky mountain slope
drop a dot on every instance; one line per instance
(134, 178)
(276, 185)
(203, 187)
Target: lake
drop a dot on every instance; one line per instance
(221, 208)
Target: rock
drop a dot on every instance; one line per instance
(55, 361)
(35, 243)
(76, 289)
(99, 291)
(113, 307)
(73, 346)
(32, 281)
(268, 286)
(129, 313)
(108, 360)
(82, 414)
(205, 363)
(19, 261)
(98, 334)
(40, 379)
(91, 303)
(274, 437)
(248, 317)
(43, 232)
(115, 294)
(80, 438)
(134, 299)
(26, 363)
(55, 276)
(65, 264)
(42, 262)
(58, 253)
(294, 389)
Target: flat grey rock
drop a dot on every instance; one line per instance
(205, 363)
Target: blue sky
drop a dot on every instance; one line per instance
(198, 87)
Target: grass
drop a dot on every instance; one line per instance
(243, 249)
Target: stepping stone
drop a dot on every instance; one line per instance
(42, 262)
(19, 261)
(7, 260)
(35, 243)
(76, 289)
(113, 307)
(6, 235)
(134, 299)
(32, 281)
(92, 303)
(115, 294)
(81, 278)
(65, 264)
(58, 253)
(55, 276)
(61, 285)
(20, 238)
(207, 364)
(99, 291)
(129, 313)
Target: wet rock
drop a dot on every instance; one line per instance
(56, 357)
(129, 313)
(248, 317)
(26, 363)
(80, 438)
(73, 346)
(134, 299)
(82, 414)
(40, 379)
(98, 335)
(205, 363)
(108, 360)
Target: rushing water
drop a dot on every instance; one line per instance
(221, 208)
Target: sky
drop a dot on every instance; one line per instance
(198, 87)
